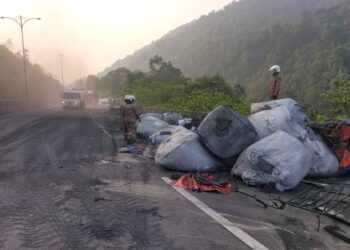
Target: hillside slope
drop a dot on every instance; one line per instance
(213, 43)
(312, 52)
(308, 38)
(41, 86)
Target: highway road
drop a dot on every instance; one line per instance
(64, 186)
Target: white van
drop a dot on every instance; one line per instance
(73, 99)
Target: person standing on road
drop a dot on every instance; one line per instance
(129, 117)
(275, 86)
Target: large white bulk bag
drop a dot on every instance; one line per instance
(172, 117)
(183, 151)
(293, 107)
(226, 133)
(279, 159)
(269, 121)
(323, 161)
(149, 124)
(163, 133)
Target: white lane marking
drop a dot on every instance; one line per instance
(239, 233)
(101, 127)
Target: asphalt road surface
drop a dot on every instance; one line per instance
(63, 186)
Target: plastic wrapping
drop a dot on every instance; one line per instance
(229, 162)
(159, 116)
(280, 159)
(172, 117)
(269, 121)
(292, 106)
(149, 125)
(323, 161)
(183, 151)
(163, 133)
(226, 133)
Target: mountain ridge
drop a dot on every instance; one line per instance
(238, 18)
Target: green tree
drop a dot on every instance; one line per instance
(214, 83)
(166, 87)
(114, 82)
(309, 39)
(92, 83)
(339, 95)
(155, 63)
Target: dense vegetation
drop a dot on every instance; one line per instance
(310, 39)
(313, 52)
(165, 86)
(226, 54)
(40, 85)
(339, 95)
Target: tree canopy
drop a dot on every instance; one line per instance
(165, 86)
(339, 95)
(309, 39)
(41, 86)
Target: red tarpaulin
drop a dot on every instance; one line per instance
(195, 182)
(342, 133)
(343, 158)
(337, 135)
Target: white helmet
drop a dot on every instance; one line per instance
(129, 99)
(275, 69)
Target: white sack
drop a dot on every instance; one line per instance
(149, 124)
(269, 121)
(163, 133)
(172, 117)
(279, 159)
(293, 107)
(183, 151)
(323, 161)
(226, 133)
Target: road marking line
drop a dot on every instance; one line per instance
(101, 127)
(236, 231)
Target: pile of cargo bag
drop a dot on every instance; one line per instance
(274, 145)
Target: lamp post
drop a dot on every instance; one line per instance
(61, 55)
(21, 21)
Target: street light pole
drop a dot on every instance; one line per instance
(21, 21)
(24, 61)
(61, 55)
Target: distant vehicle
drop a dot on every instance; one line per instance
(74, 99)
(92, 98)
(105, 102)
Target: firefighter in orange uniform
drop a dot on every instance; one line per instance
(275, 86)
(129, 117)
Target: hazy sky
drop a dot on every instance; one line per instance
(92, 34)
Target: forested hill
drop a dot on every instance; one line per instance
(308, 38)
(213, 43)
(41, 86)
(312, 52)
